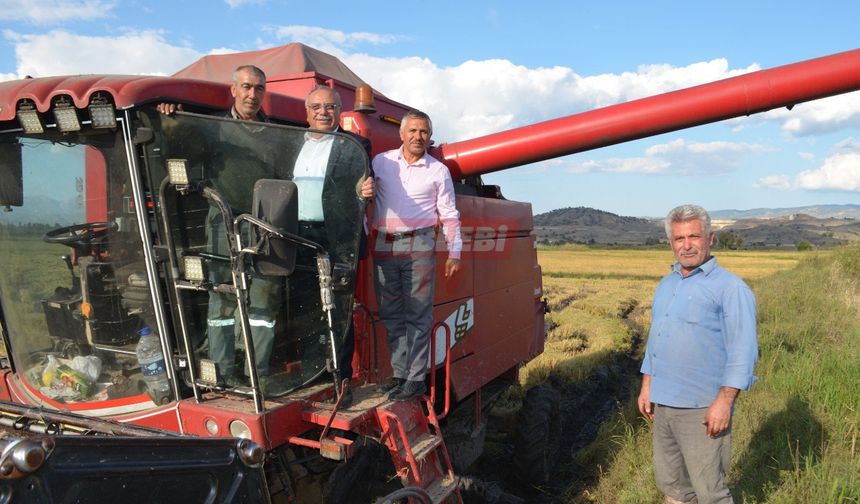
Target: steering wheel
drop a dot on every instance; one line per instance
(80, 235)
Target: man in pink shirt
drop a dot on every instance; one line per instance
(414, 194)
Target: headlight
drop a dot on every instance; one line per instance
(240, 429)
(211, 426)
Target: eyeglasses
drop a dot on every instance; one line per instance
(329, 107)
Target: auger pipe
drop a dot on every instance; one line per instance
(782, 86)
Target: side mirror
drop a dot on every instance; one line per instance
(277, 203)
(11, 175)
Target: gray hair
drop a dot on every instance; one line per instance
(320, 87)
(415, 114)
(249, 68)
(686, 213)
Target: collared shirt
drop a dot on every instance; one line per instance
(309, 175)
(703, 336)
(415, 196)
(261, 116)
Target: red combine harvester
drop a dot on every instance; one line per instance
(110, 263)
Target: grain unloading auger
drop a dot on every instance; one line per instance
(744, 95)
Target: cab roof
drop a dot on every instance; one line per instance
(130, 90)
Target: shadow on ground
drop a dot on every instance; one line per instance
(789, 440)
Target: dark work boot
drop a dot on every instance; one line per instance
(390, 385)
(409, 390)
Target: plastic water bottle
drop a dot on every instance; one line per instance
(151, 361)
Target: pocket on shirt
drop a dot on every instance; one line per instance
(701, 311)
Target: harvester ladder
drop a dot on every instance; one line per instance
(411, 431)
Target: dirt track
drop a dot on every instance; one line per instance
(584, 407)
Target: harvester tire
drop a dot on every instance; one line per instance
(350, 478)
(538, 434)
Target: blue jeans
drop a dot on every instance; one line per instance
(405, 278)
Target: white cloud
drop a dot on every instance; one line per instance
(241, 3)
(144, 52)
(475, 98)
(467, 100)
(331, 41)
(55, 11)
(625, 165)
(781, 182)
(840, 172)
(678, 157)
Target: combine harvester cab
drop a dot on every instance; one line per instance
(165, 271)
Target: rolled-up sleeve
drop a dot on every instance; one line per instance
(446, 207)
(739, 330)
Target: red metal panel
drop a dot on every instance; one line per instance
(96, 186)
(133, 90)
(5, 374)
(269, 430)
(501, 339)
(747, 94)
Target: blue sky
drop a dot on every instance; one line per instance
(478, 67)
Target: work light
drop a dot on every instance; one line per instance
(208, 372)
(66, 114)
(177, 172)
(102, 113)
(192, 269)
(29, 118)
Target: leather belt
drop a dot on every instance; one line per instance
(407, 234)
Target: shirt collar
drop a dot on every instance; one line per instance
(261, 116)
(310, 138)
(422, 161)
(705, 268)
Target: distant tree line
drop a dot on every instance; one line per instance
(27, 229)
(729, 240)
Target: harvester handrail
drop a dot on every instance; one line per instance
(447, 367)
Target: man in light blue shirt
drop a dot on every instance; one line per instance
(700, 354)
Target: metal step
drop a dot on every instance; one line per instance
(424, 445)
(441, 489)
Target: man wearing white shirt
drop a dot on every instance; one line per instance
(319, 163)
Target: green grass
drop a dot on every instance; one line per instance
(32, 270)
(795, 433)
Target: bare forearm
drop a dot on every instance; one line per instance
(718, 418)
(727, 394)
(644, 400)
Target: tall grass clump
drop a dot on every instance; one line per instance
(795, 434)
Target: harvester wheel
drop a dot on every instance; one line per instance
(358, 479)
(538, 433)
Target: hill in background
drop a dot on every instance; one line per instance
(596, 227)
(817, 211)
(761, 228)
